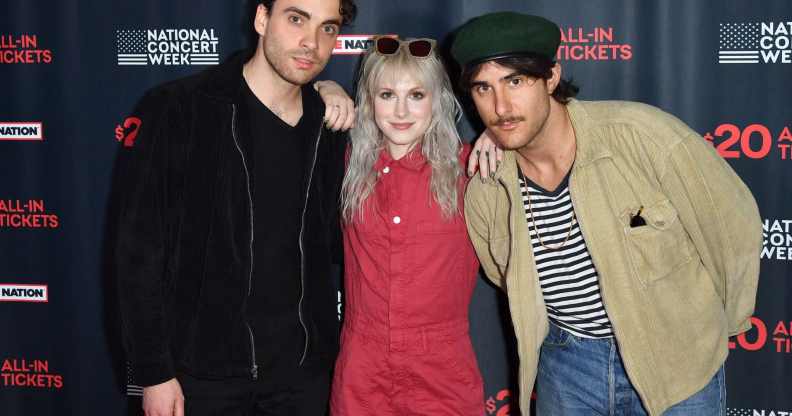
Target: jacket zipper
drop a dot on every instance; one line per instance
(302, 252)
(253, 365)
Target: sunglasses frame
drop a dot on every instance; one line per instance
(405, 43)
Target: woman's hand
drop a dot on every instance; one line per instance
(339, 108)
(486, 156)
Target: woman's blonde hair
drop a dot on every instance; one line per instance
(440, 145)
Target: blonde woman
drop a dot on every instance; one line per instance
(410, 267)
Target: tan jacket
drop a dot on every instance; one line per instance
(674, 289)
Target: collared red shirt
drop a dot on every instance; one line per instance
(407, 266)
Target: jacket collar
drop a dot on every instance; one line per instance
(224, 82)
(588, 149)
(588, 144)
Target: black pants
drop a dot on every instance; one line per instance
(301, 393)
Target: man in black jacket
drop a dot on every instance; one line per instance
(228, 228)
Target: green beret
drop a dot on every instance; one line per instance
(498, 35)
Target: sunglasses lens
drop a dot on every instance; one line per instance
(420, 48)
(387, 46)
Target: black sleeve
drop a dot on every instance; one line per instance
(140, 249)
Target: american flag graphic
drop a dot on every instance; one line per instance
(738, 412)
(131, 47)
(739, 43)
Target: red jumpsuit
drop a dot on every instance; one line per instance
(409, 278)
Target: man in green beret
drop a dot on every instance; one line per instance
(628, 248)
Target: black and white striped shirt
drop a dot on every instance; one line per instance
(569, 281)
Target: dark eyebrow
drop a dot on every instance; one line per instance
(307, 15)
(512, 75)
(301, 12)
(336, 22)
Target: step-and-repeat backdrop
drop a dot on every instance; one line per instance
(71, 72)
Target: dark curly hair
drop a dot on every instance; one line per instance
(532, 65)
(348, 10)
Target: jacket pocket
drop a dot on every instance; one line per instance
(659, 247)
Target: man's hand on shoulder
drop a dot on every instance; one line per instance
(165, 399)
(339, 108)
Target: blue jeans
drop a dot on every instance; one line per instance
(582, 376)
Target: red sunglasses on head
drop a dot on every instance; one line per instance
(419, 48)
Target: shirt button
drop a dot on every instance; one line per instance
(396, 219)
(386, 170)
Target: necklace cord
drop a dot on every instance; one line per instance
(533, 219)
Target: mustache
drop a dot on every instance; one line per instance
(503, 120)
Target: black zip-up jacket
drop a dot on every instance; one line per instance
(183, 251)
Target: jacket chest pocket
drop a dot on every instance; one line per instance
(660, 246)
